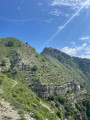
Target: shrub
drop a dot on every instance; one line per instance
(82, 86)
(43, 60)
(7, 118)
(27, 43)
(9, 44)
(57, 104)
(69, 110)
(1, 81)
(84, 117)
(14, 72)
(3, 63)
(38, 116)
(36, 56)
(21, 113)
(34, 68)
(22, 118)
(61, 99)
(60, 114)
(51, 98)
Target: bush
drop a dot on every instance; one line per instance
(3, 63)
(1, 81)
(61, 99)
(27, 43)
(7, 118)
(21, 113)
(51, 98)
(82, 86)
(43, 60)
(69, 110)
(60, 114)
(36, 56)
(9, 44)
(34, 68)
(84, 117)
(22, 118)
(14, 72)
(38, 116)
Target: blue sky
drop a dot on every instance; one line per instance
(61, 24)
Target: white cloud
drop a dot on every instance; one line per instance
(74, 51)
(70, 51)
(82, 51)
(88, 52)
(70, 3)
(85, 38)
(84, 56)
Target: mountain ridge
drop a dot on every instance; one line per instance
(58, 79)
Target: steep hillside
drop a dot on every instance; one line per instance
(28, 65)
(17, 99)
(78, 68)
(61, 82)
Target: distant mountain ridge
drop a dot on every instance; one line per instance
(75, 62)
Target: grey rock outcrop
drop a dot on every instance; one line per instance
(44, 91)
(19, 64)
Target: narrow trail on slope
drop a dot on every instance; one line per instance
(44, 105)
(15, 83)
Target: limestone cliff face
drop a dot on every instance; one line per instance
(20, 65)
(44, 91)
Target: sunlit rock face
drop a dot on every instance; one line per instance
(44, 91)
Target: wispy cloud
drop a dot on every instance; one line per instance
(74, 4)
(20, 20)
(48, 20)
(15, 20)
(57, 12)
(85, 38)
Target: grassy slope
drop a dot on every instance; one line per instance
(23, 98)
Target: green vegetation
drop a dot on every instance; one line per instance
(34, 68)
(3, 63)
(43, 60)
(27, 43)
(23, 99)
(22, 67)
(84, 108)
(1, 81)
(9, 44)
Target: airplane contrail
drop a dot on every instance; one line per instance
(62, 27)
